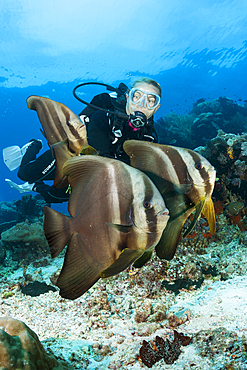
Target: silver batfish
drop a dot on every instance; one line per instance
(186, 181)
(65, 133)
(117, 215)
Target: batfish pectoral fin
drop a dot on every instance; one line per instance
(198, 208)
(121, 228)
(143, 259)
(170, 238)
(88, 150)
(209, 213)
(126, 258)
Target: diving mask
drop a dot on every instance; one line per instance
(144, 98)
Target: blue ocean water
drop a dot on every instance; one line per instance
(193, 49)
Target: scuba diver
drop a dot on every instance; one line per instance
(109, 121)
(107, 132)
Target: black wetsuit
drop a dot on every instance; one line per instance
(36, 170)
(105, 133)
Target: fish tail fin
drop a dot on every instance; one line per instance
(57, 230)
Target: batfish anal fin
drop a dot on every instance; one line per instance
(198, 208)
(57, 230)
(143, 259)
(126, 258)
(121, 228)
(170, 238)
(80, 270)
(209, 213)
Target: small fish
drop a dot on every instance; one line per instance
(65, 133)
(186, 181)
(117, 215)
(173, 141)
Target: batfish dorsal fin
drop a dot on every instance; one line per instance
(161, 161)
(126, 258)
(139, 153)
(82, 169)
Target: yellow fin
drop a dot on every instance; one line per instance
(88, 150)
(208, 212)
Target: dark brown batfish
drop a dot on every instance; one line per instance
(65, 133)
(117, 214)
(186, 181)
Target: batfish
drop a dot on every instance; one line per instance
(66, 134)
(186, 181)
(117, 214)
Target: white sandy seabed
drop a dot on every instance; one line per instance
(99, 330)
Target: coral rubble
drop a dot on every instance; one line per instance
(210, 343)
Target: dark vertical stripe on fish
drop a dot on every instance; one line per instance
(149, 211)
(203, 173)
(179, 166)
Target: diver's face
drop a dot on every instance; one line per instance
(145, 100)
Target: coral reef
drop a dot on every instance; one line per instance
(227, 153)
(169, 351)
(27, 208)
(20, 348)
(25, 233)
(30, 208)
(26, 242)
(8, 212)
(175, 129)
(202, 123)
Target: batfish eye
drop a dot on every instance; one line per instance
(147, 204)
(199, 166)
